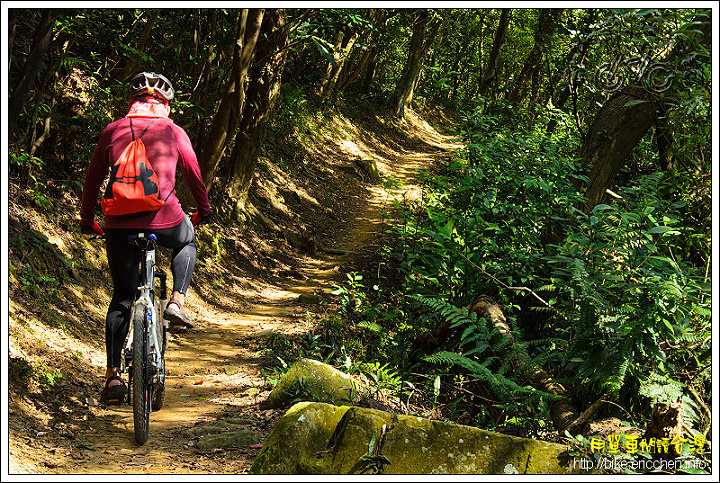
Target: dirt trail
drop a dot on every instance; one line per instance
(214, 370)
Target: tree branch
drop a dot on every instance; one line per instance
(507, 287)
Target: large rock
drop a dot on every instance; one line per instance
(230, 439)
(368, 169)
(318, 438)
(291, 446)
(310, 380)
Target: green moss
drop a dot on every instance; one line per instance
(318, 438)
(303, 431)
(310, 380)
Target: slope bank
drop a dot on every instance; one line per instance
(312, 219)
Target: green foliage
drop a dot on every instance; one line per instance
(351, 294)
(491, 207)
(483, 350)
(628, 295)
(28, 168)
(49, 379)
(299, 391)
(372, 460)
(660, 388)
(382, 377)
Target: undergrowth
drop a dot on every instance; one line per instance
(612, 303)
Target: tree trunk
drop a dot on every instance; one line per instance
(620, 124)
(332, 64)
(371, 70)
(340, 60)
(227, 117)
(205, 74)
(403, 90)
(379, 18)
(356, 72)
(418, 50)
(562, 411)
(547, 22)
(132, 66)
(12, 27)
(262, 92)
(43, 36)
(574, 59)
(491, 70)
(616, 129)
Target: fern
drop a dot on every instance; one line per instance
(505, 389)
(693, 337)
(660, 388)
(478, 338)
(371, 326)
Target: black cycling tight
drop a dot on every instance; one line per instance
(124, 262)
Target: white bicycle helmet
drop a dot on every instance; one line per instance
(152, 83)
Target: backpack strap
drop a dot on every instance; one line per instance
(146, 128)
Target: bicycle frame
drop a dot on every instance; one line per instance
(154, 305)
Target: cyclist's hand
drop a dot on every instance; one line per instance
(95, 229)
(199, 220)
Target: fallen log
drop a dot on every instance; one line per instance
(562, 411)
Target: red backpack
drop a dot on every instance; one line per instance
(133, 187)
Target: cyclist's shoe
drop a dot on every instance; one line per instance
(113, 395)
(177, 317)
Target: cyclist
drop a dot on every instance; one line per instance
(168, 146)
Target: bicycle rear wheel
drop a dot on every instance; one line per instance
(141, 383)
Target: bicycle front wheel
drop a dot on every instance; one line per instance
(158, 400)
(141, 382)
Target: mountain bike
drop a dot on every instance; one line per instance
(144, 351)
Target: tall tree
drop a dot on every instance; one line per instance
(369, 36)
(419, 47)
(31, 68)
(263, 90)
(547, 21)
(132, 66)
(625, 118)
(617, 128)
(344, 43)
(491, 69)
(228, 114)
(573, 62)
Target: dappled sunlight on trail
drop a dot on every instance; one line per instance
(218, 369)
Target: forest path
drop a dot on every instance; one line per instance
(214, 371)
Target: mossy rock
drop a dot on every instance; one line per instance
(229, 439)
(369, 168)
(292, 446)
(317, 438)
(311, 380)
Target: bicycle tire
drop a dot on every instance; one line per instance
(158, 400)
(141, 384)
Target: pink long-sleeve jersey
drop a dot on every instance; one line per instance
(168, 146)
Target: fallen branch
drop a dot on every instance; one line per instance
(457, 388)
(586, 415)
(562, 411)
(508, 287)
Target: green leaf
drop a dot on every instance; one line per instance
(635, 102)
(602, 207)
(694, 471)
(371, 445)
(659, 229)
